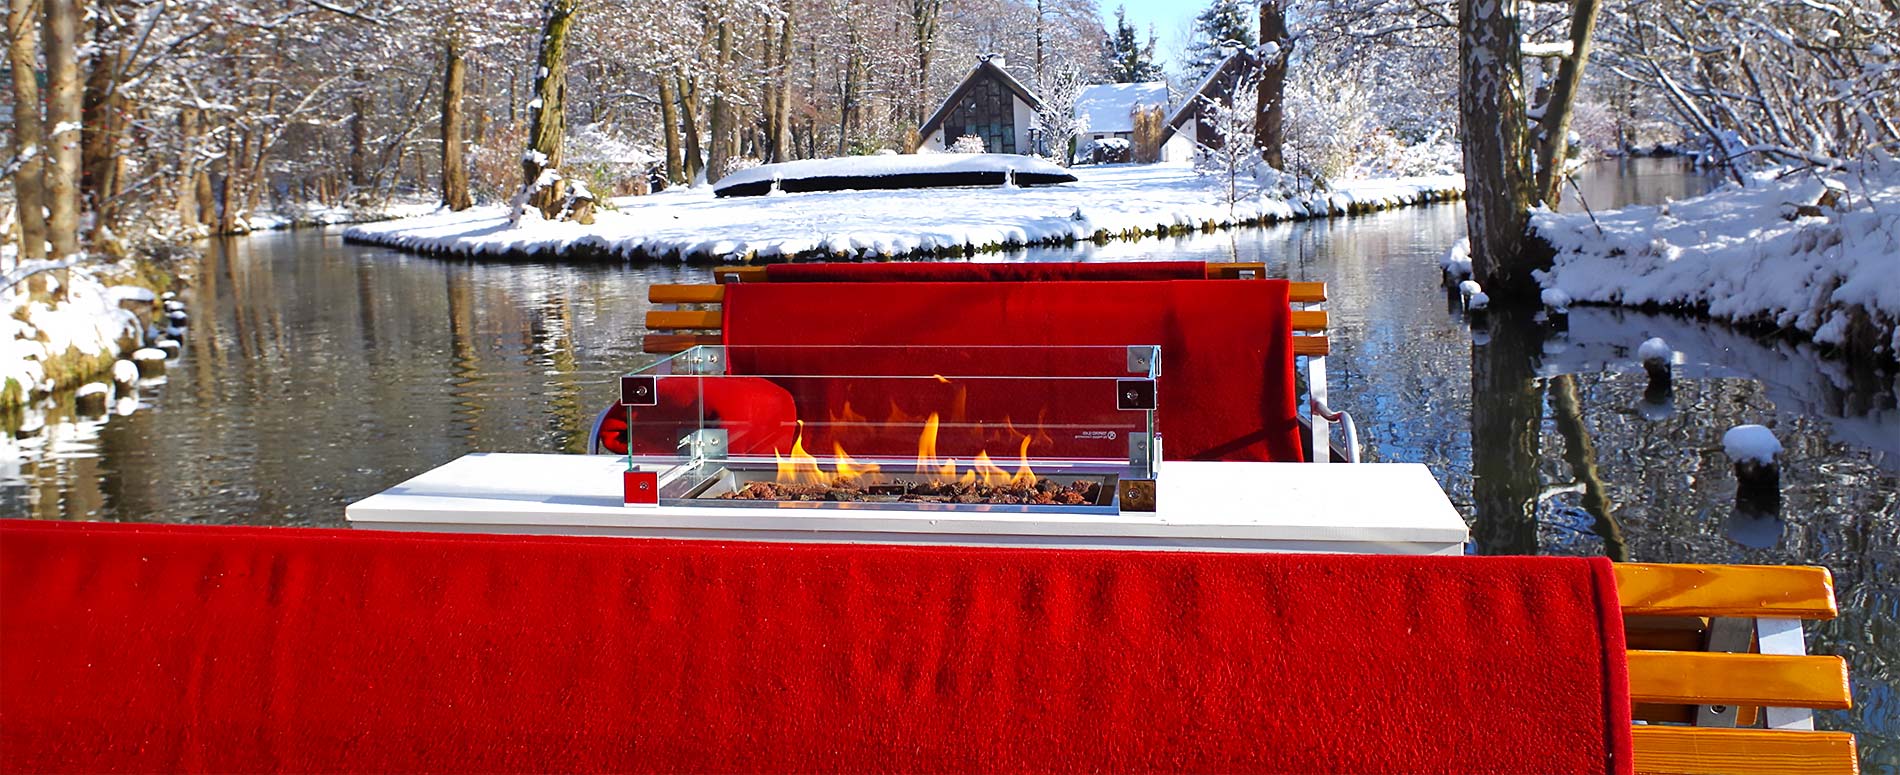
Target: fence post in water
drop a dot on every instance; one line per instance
(1756, 453)
(1656, 357)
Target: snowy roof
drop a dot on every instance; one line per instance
(990, 68)
(1215, 87)
(1109, 107)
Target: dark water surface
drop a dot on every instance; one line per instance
(318, 373)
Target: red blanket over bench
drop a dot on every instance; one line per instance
(963, 272)
(169, 648)
(1226, 389)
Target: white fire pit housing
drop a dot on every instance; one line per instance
(1012, 446)
(1390, 508)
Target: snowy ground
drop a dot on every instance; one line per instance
(1110, 201)
(329, 215)
(1750, 254)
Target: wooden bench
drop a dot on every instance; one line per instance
(696, 318)
(1720, 679)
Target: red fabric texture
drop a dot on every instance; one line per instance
(204, 649)
(1226, 390)
(967, 273)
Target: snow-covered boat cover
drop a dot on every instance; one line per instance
(933, 170)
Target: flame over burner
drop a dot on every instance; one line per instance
(800, 467)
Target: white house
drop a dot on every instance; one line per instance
(1109, 110)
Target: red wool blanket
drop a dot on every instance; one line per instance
(171, 649)
(1226, 389)
(966, 273)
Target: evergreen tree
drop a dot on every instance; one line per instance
(1218, 31)
(1125, 58)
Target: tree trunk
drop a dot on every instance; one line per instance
(923, 18)
(188, 170)
(1555, 126)
(1270, 112)
(670, 120)
(547, 121)
(62, 114)
(22, 52)
(359, 132)
(104, 121)
(1498, 179)
(782, 147)
(228, 188)
(454, 165)
(720, 133)
(689, 123)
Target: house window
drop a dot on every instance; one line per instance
(988, 111)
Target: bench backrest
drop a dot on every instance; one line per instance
(696, 318)
(1719, 672)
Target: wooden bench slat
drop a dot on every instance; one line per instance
(1711, 751)
(1793, 592)
(1233, 271)
(686, 294)
(744, 274)
(1311, 346)
(1309, 320)
(1715, 678)
(667, 344)
(684, 319)
(1306, 292)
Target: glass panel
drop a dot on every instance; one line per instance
(979, 425)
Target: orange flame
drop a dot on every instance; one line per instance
(803, 468)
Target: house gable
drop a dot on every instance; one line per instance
(988, 100)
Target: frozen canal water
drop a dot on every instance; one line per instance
(317, 373)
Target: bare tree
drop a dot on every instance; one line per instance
(1276, 50)
(541, 162)
(62, 113)
(22, 53)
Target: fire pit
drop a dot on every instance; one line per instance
(929, 428)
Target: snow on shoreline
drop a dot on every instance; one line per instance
(89, 323)
(690, 225)
(1761, 254)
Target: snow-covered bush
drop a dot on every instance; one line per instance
(606, 160)
(967, 144)
(1233, 161)
(1328, 122)
(1149, 124)
(1109, 150)
(737, 163)
(1061, 123)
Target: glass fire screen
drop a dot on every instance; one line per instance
(978, 426)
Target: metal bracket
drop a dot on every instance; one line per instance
(1134, 394)
(1784, 636)
(1141, 359)
(1245, 274)
(704, 444)
(1732, 635)
(1141, 450)
(704, 359)
(639, 391)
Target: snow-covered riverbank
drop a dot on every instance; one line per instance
(1773, 253)
(1123, 201)
(51, 346)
